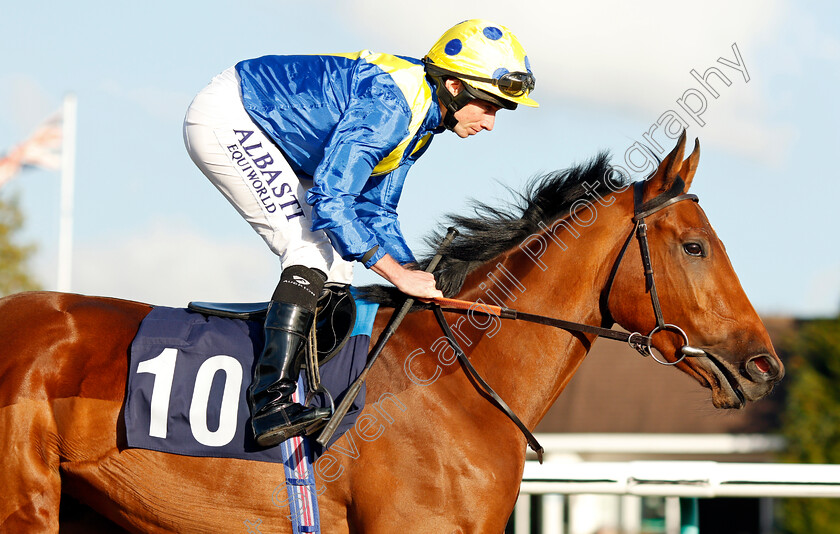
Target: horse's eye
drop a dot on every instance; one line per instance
(693, 249)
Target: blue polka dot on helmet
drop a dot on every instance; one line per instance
(493, 33)
(453, 47)
(482, 49)
(498, 73)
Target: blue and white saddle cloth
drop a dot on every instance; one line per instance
(187, 394)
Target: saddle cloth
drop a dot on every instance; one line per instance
(189, 376)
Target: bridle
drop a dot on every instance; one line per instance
(642, 343)
(641, 210)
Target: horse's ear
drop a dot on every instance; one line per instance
(666, 173)
(689, 166)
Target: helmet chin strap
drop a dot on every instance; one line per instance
(451, 102)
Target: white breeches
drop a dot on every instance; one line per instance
(253, 174)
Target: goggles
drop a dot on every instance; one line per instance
(512, 84)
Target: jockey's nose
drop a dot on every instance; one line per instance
(489, 121)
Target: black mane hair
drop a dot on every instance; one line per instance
(492, 231)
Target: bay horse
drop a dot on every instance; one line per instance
(428, 453)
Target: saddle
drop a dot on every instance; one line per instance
(334, 320)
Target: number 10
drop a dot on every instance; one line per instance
(163, 367)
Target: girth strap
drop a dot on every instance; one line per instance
(473, 374)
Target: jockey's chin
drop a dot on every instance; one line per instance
(464, 131)
(474, 117)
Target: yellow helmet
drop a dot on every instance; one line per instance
(488, 59)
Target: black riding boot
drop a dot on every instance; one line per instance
(274, 416)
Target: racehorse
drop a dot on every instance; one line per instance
(429, 452)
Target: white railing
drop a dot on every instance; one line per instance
(571, 489)
(682, 479)
(659, 444)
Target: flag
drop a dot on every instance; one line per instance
(42, 149)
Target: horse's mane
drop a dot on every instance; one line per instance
(494, 230)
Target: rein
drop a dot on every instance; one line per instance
(642, 343)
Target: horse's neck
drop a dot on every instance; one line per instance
(530, 364)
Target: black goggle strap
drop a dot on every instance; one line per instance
(489, 97)
(511, 83)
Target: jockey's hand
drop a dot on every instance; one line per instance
(418, 284)
(413, 283)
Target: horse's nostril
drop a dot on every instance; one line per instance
(762, 368)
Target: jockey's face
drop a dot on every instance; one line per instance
(475, 116)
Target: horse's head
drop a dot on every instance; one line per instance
(698, 290)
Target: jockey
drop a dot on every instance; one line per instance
(313, 151)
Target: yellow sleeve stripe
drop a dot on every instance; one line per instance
(411, 80)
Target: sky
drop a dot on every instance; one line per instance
(148, 226)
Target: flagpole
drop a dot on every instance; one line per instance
(68, 164)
